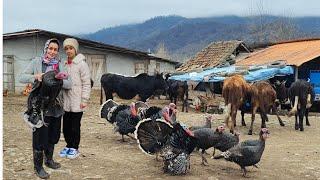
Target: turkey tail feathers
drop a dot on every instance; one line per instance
(106, 107)
(151, 135)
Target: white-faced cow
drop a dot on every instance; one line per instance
(142, 85)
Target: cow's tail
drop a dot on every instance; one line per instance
(295, 106)
(227, 115)
(309, 102)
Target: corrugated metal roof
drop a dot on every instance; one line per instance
(31, 32)
(213, 55)
(294, 53)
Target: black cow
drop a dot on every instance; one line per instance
(128, 87)
(301, 95)
(178, 90)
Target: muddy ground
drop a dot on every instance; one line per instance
(289, 154)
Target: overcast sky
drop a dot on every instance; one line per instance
(83, 16)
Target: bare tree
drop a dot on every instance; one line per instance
(264, 29)
(162, 52)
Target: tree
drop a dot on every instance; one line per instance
(162, 52)
(264, 28)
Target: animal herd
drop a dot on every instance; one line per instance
(159, 132)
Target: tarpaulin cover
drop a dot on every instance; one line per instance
(251, 74)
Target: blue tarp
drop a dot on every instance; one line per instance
(219, 74)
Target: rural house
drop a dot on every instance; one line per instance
(20, 47)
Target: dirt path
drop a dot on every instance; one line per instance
(289, 154)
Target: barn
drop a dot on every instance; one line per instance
(20, 47)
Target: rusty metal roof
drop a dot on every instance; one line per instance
(213, 55)
(294, 53)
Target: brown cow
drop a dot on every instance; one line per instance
(263, 97)
(234, 91)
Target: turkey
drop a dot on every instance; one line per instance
(207, 124)
(169, 113)
(43, 96)
(152, 112)
(123, 117)
(174, 142)
(207, 138)
(141, 108)
(226, 141)
(107, 108)
(247, 153)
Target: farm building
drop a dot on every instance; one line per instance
(20, 47)
(216, 54)
(303, 55)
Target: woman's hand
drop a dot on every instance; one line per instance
(83, 105)
(38, 76)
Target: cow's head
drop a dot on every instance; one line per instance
(281, 90)
(160, 83)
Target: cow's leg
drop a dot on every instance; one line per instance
(243, 123)
(186, 99)
(274, 109)
(108, 94)
(183, 104)
(301, 115)
(253, 116)
(296, 124)
(307, 119)
(233, 118)
(264, 117)
(227, 115)
(143, 98)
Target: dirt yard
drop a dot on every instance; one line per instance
(289, 154)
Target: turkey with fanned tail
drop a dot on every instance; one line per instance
(123, 117)
(173, 141)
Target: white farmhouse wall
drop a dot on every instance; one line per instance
(24, 49)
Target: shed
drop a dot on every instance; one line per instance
(303, 54)
(216, 54)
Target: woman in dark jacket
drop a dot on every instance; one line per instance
(47, 134)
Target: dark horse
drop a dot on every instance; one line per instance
(128, 87)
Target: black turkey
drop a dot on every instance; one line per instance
(43, 96)
(247, 153)
(107, 108)
(207, 138)
(123, 117)
(227, 141)
(174, 142)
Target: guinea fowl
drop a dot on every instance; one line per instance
(123, 117)
(247, 153)
(43, 96)
(174, 142)
(207, 124)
